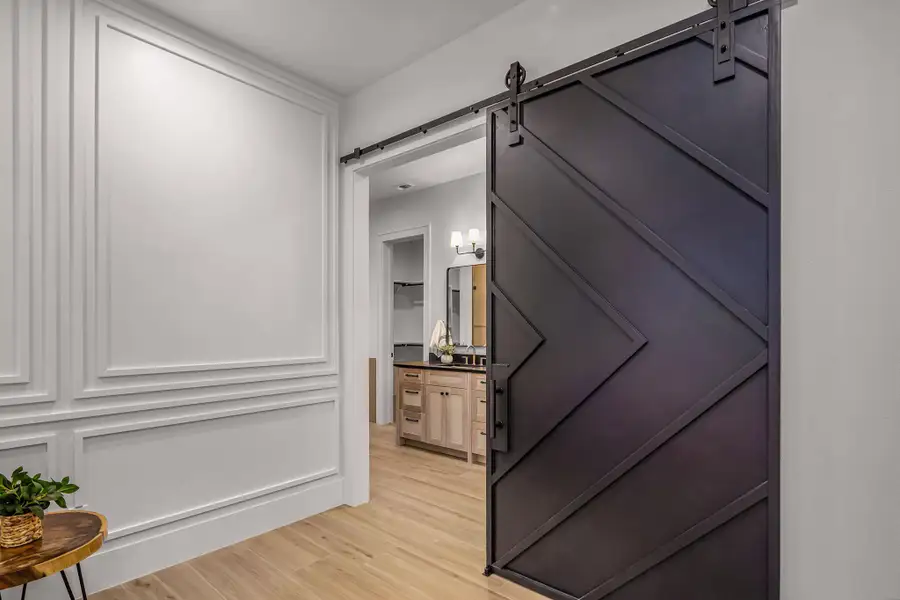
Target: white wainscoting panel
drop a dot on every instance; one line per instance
(168, 283)
(25, 310)
(205, 240)
(36, 453)
(9, 305)
(203, 462)
(211, 237)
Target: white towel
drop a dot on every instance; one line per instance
(439, 337)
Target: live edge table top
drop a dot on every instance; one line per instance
(69, 538)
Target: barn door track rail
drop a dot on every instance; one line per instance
(715, 24)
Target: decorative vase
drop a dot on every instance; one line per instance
(20, 530)
(447, 359)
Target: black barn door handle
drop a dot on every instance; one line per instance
(499, 415)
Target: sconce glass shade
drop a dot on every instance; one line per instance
(474, 236)
(456, 239)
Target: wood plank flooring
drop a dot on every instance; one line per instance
(420, 538)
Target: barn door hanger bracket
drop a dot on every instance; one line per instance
(723, 49)
(514, 83)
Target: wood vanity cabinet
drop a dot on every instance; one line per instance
(478, 410)
(441, 408)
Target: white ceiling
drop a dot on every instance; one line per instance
(457, 162)
(343, 45)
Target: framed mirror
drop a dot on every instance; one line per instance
(467, 305)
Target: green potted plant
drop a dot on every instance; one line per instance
(23, 500)
(446, 350)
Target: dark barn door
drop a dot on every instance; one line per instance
(633, 267)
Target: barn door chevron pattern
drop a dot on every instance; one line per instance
(633, 323)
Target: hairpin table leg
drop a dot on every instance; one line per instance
(81, 581)
(24, 587)
(68, 587)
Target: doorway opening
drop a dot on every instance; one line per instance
(418, 208)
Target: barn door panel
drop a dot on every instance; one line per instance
(633, 358)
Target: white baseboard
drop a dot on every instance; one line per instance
(134, 556)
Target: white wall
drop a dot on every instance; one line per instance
(841, 285)
(543, 35)
(168, 306)
(455, 206)
(841, 384)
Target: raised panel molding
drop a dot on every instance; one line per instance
(95, 372)
(27, 280)
(47, 441)
(120, 530)
(16, 135)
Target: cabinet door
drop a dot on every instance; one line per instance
(411, 397)
(411, 425)
(479, 439)
(455, 419)
(479, 407)
(434, 414)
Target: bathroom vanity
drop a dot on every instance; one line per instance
(441, 407)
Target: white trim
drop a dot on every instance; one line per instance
(95, 375)
(49, 440)
(196, 38)
(355, 272)
(121, 532)
(384, 405)
(181, 402)
(80, 435)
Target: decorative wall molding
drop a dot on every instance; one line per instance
(32, 378)
(122, 532)
(308, 385)
(60, 384)
(96, 374)
(80, 435)
(48, 440)
(19, 187)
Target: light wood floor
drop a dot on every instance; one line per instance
(421, 537)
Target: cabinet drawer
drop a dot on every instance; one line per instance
(479, 439)
(412, 425)
(411, 376)
(479, 407)
(479, 382)
(446, 378)
(411, 398)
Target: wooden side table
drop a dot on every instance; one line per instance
(69, 538)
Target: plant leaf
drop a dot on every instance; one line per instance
(36, 511)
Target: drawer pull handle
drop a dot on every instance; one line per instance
(414, 420)
(483, 401)
(481, 433)
(411, 392)
(411, 375)
(482, 382)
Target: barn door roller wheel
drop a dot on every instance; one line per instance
(723, 46)
(515, 85)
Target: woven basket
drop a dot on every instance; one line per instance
(20, 530)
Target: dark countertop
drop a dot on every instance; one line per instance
(421, 364)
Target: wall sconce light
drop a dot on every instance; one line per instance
(456, 240)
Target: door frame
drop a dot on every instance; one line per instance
(384, 405)
(357, 343)
(626, 53)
